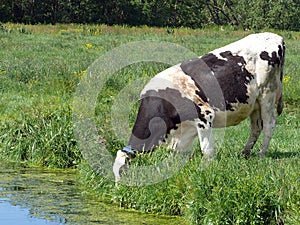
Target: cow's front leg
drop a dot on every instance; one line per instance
(182, 138)
(204, 128)
(206, 142)
(256, 127)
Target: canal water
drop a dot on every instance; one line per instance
(48, 197)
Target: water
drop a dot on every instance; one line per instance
(43, 197)
(10, 214)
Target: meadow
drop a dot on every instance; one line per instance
(40, 68)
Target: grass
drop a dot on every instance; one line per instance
(40, 67)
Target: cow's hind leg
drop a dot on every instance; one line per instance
(268, 115)
(256, 128)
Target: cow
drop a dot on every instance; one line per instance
(219, 89)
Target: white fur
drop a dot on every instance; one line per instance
(119, 162)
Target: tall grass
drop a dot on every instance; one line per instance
(41, 141)
(231, 190)
(40, 67)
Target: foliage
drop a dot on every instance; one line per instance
(245, 14)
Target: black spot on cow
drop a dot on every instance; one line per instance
(204, 120)
(236, 59)
(159, 113)
(220, 81)
(273, 59)
(207, 112)
(201, 126)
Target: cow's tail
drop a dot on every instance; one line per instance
(280, 104)
(279, 99)
(279, 93)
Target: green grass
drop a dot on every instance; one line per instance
(40, 67)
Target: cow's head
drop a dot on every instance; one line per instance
(122, 162)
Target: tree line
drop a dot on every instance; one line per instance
(245, 14)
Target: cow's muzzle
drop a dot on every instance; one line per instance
(121, 163)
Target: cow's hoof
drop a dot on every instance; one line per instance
(117, 179)
(208, 157)
(262, 154)
(246, 154)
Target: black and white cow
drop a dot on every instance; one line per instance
(219, 89)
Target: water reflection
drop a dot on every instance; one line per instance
(35, 196)
(10, 214)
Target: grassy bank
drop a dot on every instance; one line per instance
(40, 67)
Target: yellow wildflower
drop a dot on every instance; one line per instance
(286, 79)
(80, 74)
(63, 31)
(88, 46)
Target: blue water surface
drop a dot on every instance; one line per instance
(17, 215)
